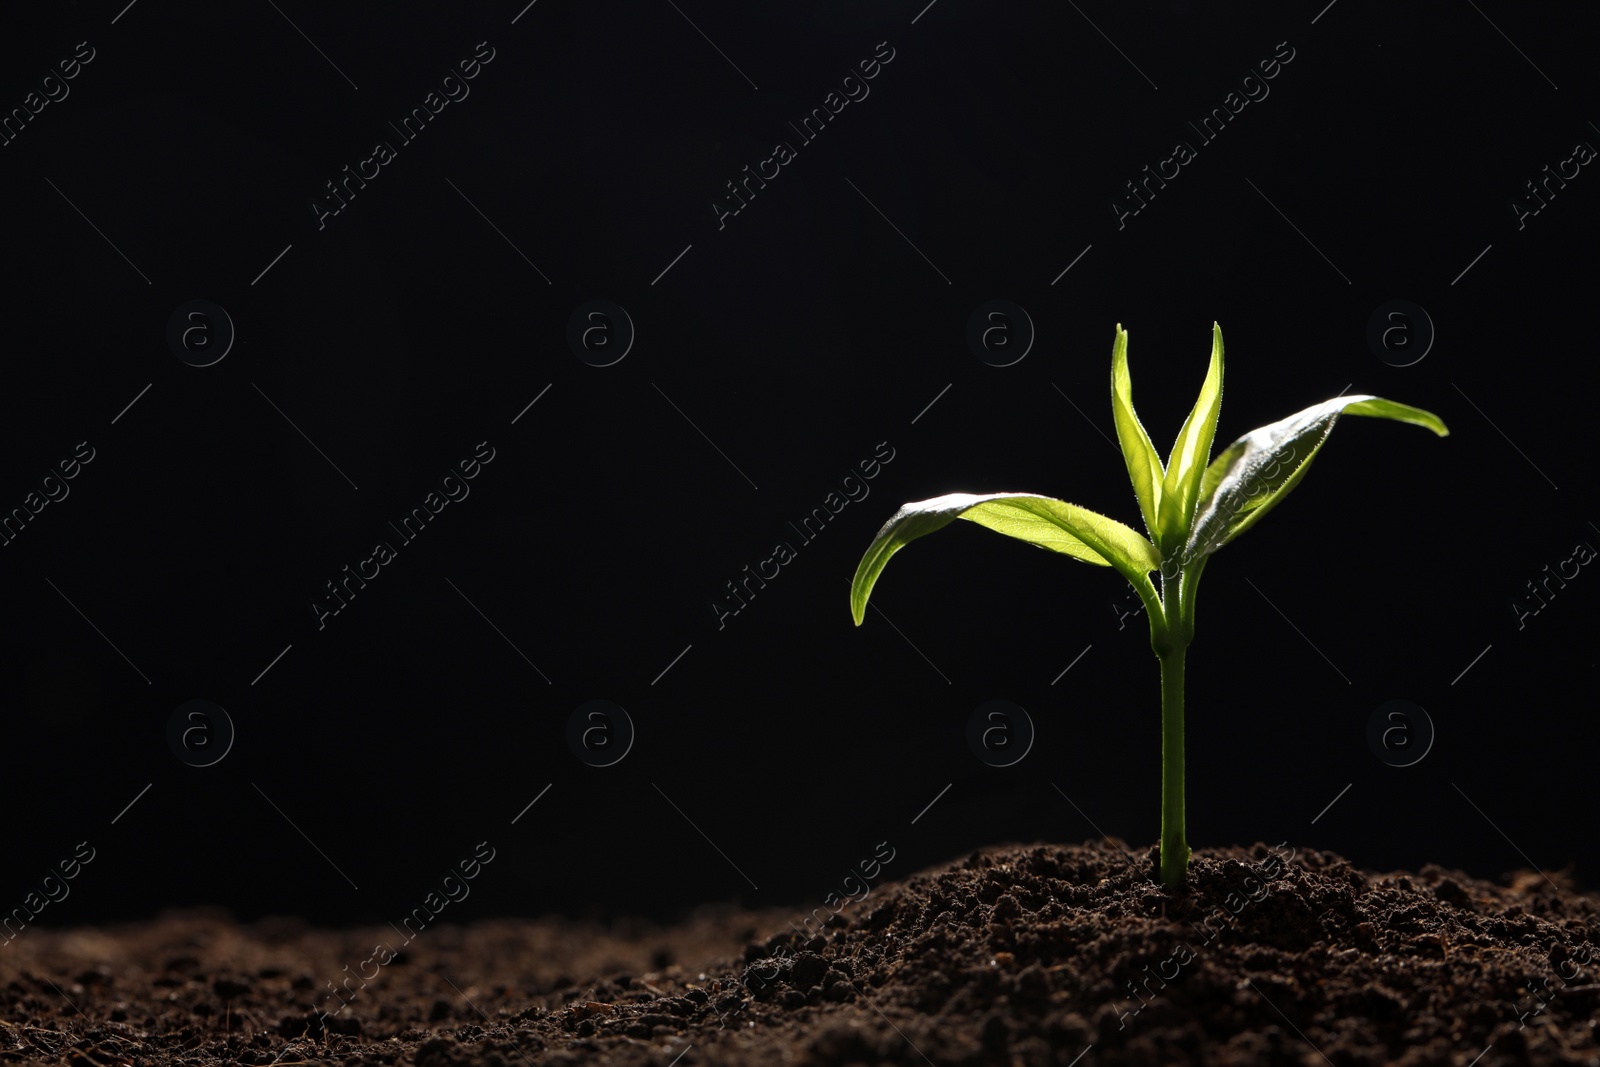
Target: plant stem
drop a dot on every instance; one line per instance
(1174, 848)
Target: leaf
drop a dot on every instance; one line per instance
(1039, 520)
(1144, 465)
(1258, 470)
(1181, 489)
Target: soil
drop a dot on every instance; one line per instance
(1027, 955)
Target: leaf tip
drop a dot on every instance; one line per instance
(858, 600)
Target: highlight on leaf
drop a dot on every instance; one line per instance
(1191, 508)
(1187, 464)
(1038, 520)
(1144, 465)
(1252, 475)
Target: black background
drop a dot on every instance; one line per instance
(821, 320)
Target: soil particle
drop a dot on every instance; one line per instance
(1025, 956)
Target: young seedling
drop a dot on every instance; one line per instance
(1190, 510)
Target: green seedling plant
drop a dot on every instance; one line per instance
(1190, 508)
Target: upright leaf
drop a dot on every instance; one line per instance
(1181, 489)
(1258, 470)
(1144, 465)
(1039, 520)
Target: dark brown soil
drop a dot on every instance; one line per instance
(1017, 955)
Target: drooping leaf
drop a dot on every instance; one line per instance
(1144, 465)
(1039, 520)
(1258, 470)
(1181, 488)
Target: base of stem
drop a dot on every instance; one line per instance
(1174, 862)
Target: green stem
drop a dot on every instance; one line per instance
(1174, 848)
(1171, 630)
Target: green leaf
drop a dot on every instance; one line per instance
(1258, 470)
(1181, 489)
(1144, 465)
(1039, 520)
